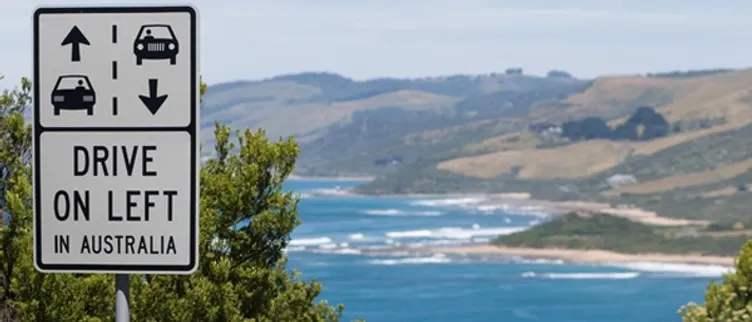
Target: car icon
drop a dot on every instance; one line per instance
(73, 92)
(155, 42)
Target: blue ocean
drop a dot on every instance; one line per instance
(331, 246)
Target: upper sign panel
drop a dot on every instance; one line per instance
(105, 68)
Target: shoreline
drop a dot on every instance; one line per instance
(521, 203)
(588, 256)
(621, 210)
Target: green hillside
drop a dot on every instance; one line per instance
(682, 137)
(695, 165)
(604, 232)
(345, 124)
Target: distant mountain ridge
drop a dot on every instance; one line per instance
(678, 144)
(335, 87)
(497, 133)
(316, 106)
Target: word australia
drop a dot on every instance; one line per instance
(117, 244)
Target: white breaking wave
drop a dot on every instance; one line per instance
(488, 208)
(328, 246)
(341, 251)
(541, 261)
(336, 191)
(448, 202)
(582, 276)
(295, 248)
(453, 232)
(478, 204)
(693, 270)
(397, 212)
(356, 236)
(409, 234)
(310, 241)
(435, 259)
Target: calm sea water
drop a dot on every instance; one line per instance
(403, 287)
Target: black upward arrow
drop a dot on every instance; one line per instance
(153, 102)
(75, 38)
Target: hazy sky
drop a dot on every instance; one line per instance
(251, 39)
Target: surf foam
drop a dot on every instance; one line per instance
(448, 202)
(356, 236)
(454, 232)
(435, 259)
(315, 241)
(676, 269)
(581, 276)
(397, 212)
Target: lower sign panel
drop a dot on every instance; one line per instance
(120, 202)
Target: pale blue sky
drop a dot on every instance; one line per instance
(251, 39)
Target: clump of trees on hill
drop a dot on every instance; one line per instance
(241, 276)
(690, 73)
(514, 71)
(558, 73)
(644, 124)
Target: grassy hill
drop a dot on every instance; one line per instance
(345, 124)
(513, 133)
(723, 95)
(330, 98)
(724, 100)
(477, 134)
(701, 107)
(605, 232)
(701, 170)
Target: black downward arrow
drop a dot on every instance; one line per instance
(153, 102)
(75, 38)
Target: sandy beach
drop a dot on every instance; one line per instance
(519, 201)
(522, 203)
(579, 256)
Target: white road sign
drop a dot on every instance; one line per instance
(115, 142)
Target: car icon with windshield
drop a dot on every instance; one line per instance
(155, 42)
(73, 92)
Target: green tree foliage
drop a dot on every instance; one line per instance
(652, 123)
(245, 217)
(558, 73)
(589, 128)
(729, 300)
(644, 124)
(607, 232)
(690, 73)
(15, 195)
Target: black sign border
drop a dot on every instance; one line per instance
(38, 129)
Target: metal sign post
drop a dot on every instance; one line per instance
(122, 298)
(115, 141)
